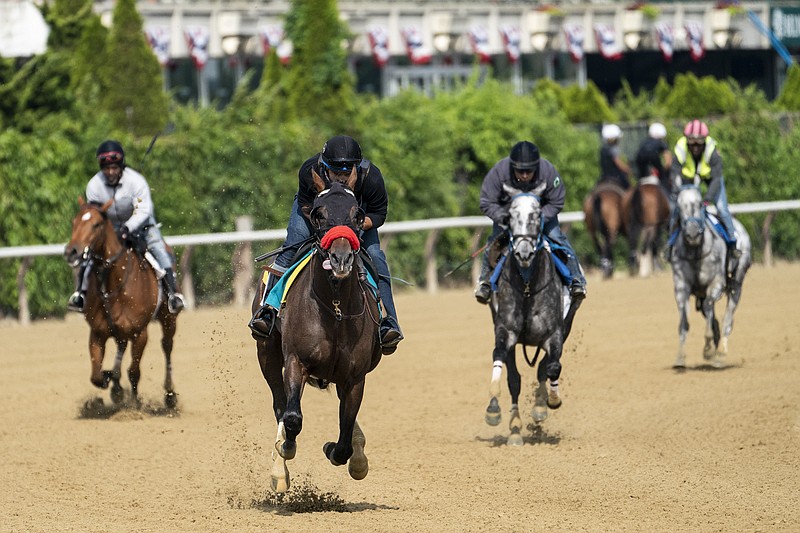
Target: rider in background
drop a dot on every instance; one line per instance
(132, 215)
(654, 158)
(338, 157)
(613, 167)
(524, 169)
(698, 162)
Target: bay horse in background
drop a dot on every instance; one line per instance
(603, 216)
(646, 215)
(701, 268)
(327, 332)
(532, 307)
(122, 296)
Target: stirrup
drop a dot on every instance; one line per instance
(483, 293)
(76, 302)
(175, 303)
(263, 322)
(390, 338)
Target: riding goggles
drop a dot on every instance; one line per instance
(109, 158)
(695, 141)
(340, 166)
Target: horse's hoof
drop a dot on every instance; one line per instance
(279, 480)
(493, 415)
(515, 439)
(288, 450)
(515, 424)
(553, 401)
(680, 363)
(329, 448)
(539, 414)
(358, 466)
(719, 363)
(171, 400)
(117, 394)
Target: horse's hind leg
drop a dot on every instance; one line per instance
(550, 369)
(504, 341)
(294, 379)
(734, 292)
(97, 352)
(168, 326)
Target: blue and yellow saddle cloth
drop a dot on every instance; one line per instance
(277, 296)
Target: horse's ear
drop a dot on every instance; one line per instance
(511, 191)
(540, 189)
(319, 183)
(351, 181)
(106, 205)
(317, 216)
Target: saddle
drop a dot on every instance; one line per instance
(499, 249)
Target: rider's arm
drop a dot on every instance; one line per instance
(374, 199)
(554, 193)
(715, 183)
(491, 200)
(140, 198)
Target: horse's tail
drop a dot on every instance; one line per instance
(597, 215)
(637, 214)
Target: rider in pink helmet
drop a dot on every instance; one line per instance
(698, 162)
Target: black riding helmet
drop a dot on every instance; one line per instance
(110, 153)
(340, 154)
(525, 156)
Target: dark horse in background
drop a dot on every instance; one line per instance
(531, 306)
(327, 332)
(122, 297)
(702, 267)
(602, 214)
(646, 215)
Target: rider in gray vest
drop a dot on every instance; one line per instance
(131, 214)
(524, 170)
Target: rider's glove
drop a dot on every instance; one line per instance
(504, 220)
(123, 233)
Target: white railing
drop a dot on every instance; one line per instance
(434, 226)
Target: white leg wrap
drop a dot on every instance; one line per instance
(497, 371)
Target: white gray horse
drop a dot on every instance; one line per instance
(528, 308)
(701, 268)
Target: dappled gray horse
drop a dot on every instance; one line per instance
(528, 308)
(701, 269)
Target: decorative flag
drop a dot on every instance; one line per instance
(417, 52)
(607, 42)
(666, 39)
(158, 37)
(574, 35)
(479, 39)
(379, 42)
(694, 36)
(197, 39)
(510, 36)
(273, 38)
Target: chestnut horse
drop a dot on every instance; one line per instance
(327, 332)
(122, 297)
(646, 214)
(602, 214)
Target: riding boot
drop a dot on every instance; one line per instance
(77, 299)
(577, 288)
(389, 329)
(175, 301)
(483, 291)
(263, 320)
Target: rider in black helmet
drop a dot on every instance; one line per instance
(524, 169)
(339, 155)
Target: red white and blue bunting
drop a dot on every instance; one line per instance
(510, 35)
(665, 37)
(379, 42)
(479, 39)
(158, 37)
(273, 38)
(607, 42)
(694, 37)
(418, 53)
(574, 37)
(197, 39)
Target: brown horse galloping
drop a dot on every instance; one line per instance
(327, 333)
(122, 297)
(602, 214)
(646, 212)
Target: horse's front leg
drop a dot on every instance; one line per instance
(338, 453)
(514, 386)
(734, 291)
(503, 339)
(117, 394)
(97, 351)
(682, 301)
(550, 368)
(138, 344)
(168, 326)
(294, 380)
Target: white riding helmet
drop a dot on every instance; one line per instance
(611, 131)
(657, 131)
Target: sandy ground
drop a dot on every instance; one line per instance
(635, 446)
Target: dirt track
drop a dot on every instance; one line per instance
(635, 447)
